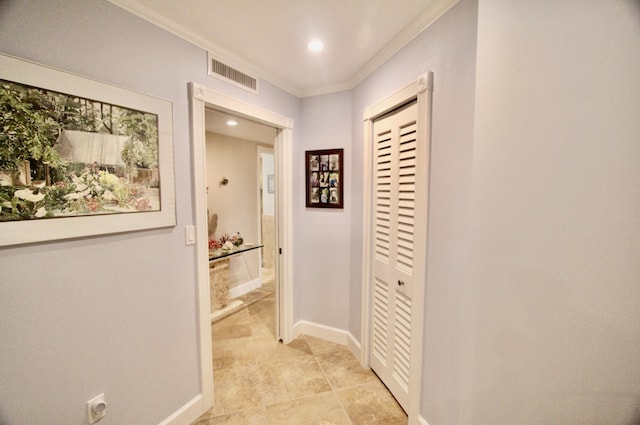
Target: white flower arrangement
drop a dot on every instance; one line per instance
(28, 195)
(25, 204)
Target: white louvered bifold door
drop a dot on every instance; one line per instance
(394, 157)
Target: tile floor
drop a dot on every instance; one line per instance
(267, 288)
(259, 381)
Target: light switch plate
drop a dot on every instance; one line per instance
(190, 234)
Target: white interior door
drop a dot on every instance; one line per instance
(394, 200)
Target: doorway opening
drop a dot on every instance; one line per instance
(240, 178)
(203, 99)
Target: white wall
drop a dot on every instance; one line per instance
(555, 232)
(113, 314)
(323, 236)
(236, 203)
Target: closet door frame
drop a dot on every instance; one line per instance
(420, 90)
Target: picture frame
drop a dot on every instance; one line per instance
(324, 175)
(98, 160)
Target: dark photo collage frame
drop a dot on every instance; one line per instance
(324, 178)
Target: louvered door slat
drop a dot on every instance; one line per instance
(406, 197)
(380, 321)
(383, 158)
(406, 204)
(408, 153)
(402, 340)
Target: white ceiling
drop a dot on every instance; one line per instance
(269, 37)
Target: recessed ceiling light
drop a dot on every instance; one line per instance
(232, 123)
(315, 45)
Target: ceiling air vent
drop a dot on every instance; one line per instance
(232, 75)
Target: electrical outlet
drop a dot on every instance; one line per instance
(97, 409)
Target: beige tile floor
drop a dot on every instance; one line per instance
(268, 287)
(258, 381)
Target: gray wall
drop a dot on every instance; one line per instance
(555, 231)
(114, 314)
(323, 236)
(448, 49)
(532, 296)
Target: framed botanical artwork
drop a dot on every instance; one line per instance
(324, 178)
(79, 157)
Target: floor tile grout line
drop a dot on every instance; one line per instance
(302, 397)
(343, 408)
(306, 396)
(315, 357)
(333, 390)
(252, 319)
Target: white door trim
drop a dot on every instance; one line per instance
(421, 90)
(201, 97)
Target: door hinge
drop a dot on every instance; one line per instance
(280, 251)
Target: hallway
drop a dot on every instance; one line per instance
(259, 381)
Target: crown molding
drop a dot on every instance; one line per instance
(434, 11)
(325, 89)
(169, 25)
(415, 28)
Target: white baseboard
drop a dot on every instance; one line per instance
(338, 336)
(355, 347)
(225, 311)
(422, 421)
(188, 413)
(243, 288)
